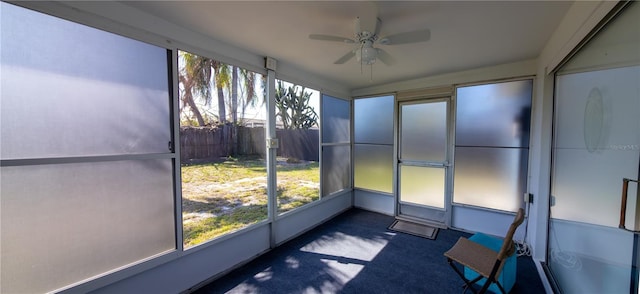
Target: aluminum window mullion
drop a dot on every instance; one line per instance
(83, 159)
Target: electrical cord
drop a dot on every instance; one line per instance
(522, 248)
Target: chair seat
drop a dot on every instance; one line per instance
(473, 255)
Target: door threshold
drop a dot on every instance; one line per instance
(422, 221)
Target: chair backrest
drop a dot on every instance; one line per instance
(507, 246)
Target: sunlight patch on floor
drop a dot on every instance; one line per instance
(263, 276)
(342, 272)
(346, 246)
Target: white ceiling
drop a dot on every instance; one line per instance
(464, 35)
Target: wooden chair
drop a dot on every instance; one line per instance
(486, 262)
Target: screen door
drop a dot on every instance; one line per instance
(423, 160)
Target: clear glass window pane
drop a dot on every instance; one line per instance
(336, 123)
(495, 115)
(297, 123)
(373, 167)
(422, 185)
(373, 120)
(224, 176)
(336, 168)
(490, 177)
(424, 131)
(65, 223)
(115, 90)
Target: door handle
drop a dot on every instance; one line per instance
(623, 206)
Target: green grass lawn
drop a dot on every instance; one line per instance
(221, 197)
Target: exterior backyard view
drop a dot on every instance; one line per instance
(222, 147)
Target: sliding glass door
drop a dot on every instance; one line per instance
(596, 146)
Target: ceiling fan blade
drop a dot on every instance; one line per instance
(385, 57)
(378, 25)
(331, 38)
(406, 38)
(346, 57)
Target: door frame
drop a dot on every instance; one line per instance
(442, 217)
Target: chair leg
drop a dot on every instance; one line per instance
(486, 285)
(501, 288)
(468, 284)
(492, 279)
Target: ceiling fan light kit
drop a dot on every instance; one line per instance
(366, 55)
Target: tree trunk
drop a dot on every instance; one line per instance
(222, 113)
(188, 98)
(234, 95)
(234, 110)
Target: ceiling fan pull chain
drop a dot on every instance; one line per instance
(371, 79)
(361, 70)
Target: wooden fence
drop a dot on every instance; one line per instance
(201, 143)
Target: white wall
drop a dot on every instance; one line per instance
(372, 201)
(497, 72)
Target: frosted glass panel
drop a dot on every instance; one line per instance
(591, 182)
(596, 145)
(335, 120)
(424, 131)
(373, 120)
(65, 223)
(373, 167)
(114, 90)
(496, 115)
(490, 177)
(422, 185)
(336, 168)
(598, 110)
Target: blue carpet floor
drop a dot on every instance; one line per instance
(356, 253)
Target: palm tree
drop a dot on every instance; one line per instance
(221, 72)
(249, 84)
(194, 77)
(234, 95)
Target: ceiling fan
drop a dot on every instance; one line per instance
(364, 51)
